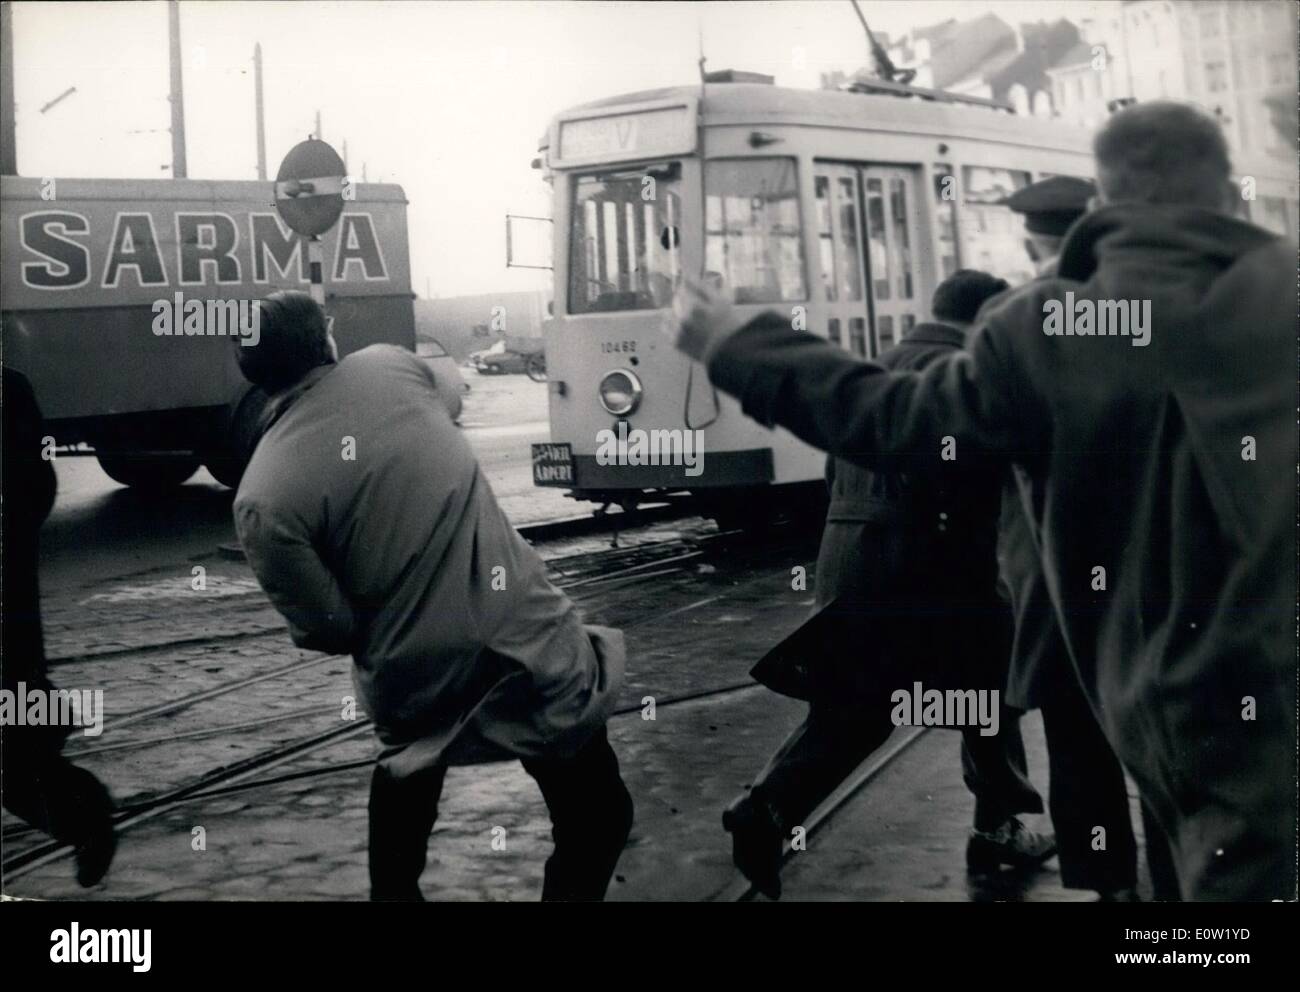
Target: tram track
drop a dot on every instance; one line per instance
(742, 891)
(588, 571)
(585, 569)
(574, 571)
(235, 778)
(636, 572)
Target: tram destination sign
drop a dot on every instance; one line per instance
(636, 132)
(552, 464)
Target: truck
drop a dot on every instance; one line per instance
(98, 279)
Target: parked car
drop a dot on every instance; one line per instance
(500, 359)
(497, 360)
(445, 373)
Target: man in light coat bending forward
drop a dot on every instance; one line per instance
(371, 527)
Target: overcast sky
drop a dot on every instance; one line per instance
(447, 99)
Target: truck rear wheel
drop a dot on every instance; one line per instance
(241, 429)
(226, 469)
(149, 472)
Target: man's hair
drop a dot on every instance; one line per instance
(1162, 152)
(960, 296)
(294, 339)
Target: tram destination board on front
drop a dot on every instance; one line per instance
(639, 132)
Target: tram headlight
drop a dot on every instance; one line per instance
(620, 392)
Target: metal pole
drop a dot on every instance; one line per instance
(319, 137)
(316, 263)
(261, 119)
(179, 169)
(8, 148)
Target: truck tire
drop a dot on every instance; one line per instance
(226, 469)
(148, 472)
(241, 430)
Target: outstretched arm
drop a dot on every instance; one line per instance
(858, 410)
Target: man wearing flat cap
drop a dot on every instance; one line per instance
(1050, 207)
(1087, 781)
(1169, 555)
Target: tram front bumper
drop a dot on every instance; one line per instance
(555, 465)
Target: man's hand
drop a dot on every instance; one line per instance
(702, 319)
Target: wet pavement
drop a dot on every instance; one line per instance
(296, 828)
(242, 763)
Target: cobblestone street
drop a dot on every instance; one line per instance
(196, 682)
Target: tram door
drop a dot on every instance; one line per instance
(866, 240)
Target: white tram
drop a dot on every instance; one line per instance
(845, 209)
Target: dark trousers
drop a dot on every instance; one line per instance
(48, 791)
(1160, 861)
(39, 785)
(1087, 792)
(834, 739)
(591, 816)
(996, 772)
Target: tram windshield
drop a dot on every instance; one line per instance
(626, 225)
(624, 252)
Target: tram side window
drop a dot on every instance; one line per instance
(992, 237)
(837, 238)
(753, 242)
(624, 252)
(945, 212)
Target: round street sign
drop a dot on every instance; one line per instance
(309, 187)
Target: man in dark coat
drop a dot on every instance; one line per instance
(1088, 789)
(1159, 458)
(908, 569)
(39, 784)
(370, 525)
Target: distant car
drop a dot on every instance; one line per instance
(445, 373)
(499, 360)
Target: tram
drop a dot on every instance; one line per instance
(844, 208)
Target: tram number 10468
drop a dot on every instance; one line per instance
(617, 347)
